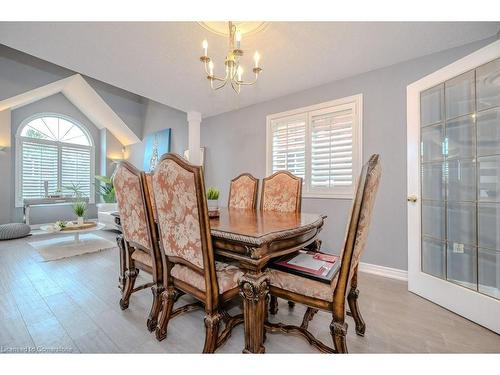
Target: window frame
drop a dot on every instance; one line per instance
(354, 102)
(19, 149)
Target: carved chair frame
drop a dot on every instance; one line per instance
(129, 266)
(346, 279)
(210, 299)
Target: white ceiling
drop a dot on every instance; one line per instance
(160, 60)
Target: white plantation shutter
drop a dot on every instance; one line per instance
(321, 144)
(53, 148)
(39, 163)
(288, 145)
(332, 150)
(76, 167)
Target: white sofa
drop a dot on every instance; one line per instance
(104, 211)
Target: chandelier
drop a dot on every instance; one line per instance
(234, 71)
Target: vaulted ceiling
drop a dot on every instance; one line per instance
(160, 60)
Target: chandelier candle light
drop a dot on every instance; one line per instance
(234, 71)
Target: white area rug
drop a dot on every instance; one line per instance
(64, 246)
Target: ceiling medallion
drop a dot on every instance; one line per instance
(234, 71)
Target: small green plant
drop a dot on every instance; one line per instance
(213, 193)
(80, 208)
(76, 189)
(106, 189)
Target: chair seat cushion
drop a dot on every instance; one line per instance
(142, 257)
(14, 230)
(302, 285)
(227, 276)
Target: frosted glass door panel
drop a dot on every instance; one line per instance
(489, 178)
(433, 258)
(489, 272)
(488, 85)
(461, 180)
(433, 220)
(459, 94)
(432, 143)
(431, 105)
(489, 225)
(488, 132)
(461, 265)
(432, 181)
(461, 223)
(460, 135)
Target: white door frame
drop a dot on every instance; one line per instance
(472, 305)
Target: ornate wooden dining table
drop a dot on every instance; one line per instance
(252, 238)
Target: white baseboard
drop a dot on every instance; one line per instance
(393, 273)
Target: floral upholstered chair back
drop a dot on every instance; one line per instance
(360, 218)
(179, 192)
(281, 192)
(132, 205)
(243, 192)
(149, 183)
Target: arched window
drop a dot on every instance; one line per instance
(54, 155)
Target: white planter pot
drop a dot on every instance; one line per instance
(79, 220)
(213, 204)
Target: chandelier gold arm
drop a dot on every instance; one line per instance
(231, 63)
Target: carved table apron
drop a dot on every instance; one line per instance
(252, 238)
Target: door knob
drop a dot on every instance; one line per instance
(412, 198)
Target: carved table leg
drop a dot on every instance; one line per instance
(121, 247)
(254, 288)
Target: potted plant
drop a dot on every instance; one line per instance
(213, 198)
(80, 208)
(106, 191)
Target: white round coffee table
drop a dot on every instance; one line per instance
(75, 232)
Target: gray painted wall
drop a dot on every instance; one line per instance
(236, 143)
(157, 117)
(60, 105)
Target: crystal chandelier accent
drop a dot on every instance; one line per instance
(234, 71)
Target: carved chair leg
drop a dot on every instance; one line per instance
(273, 305)
(212, 324)
(130, 277)
(155, 307)
(338, 330)
(352, 300)
(123, 268)
(308, 316)
(167, 303)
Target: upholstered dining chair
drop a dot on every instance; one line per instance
(332, 297)
(281, 192)
(186, 251)
(243, 192)
(140, 247)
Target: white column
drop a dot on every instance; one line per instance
(194, 121)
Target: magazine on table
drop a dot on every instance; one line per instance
(314, 265)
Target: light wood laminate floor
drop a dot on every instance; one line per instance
(71, 305)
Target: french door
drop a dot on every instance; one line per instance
(454, 187)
